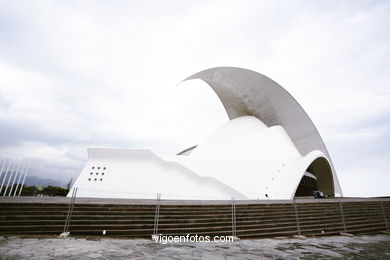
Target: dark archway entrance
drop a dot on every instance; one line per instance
(317, 177)
(307, 185)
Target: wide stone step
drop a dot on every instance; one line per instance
(252, 220)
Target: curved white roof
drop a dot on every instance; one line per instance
(244, 92)
(248, 138)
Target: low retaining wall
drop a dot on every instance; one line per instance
(245, 219)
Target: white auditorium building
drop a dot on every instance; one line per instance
(270, 149)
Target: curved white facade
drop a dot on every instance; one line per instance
(249, 157)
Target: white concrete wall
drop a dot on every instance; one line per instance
(243, 159)
(141, 174)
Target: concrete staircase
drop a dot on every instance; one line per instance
(135, 219)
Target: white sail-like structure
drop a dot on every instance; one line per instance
(270, 149)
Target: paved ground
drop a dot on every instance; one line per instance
(359, 247)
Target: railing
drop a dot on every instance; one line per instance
(297, 218)
(342, 216)
(157, 215)
(384, 216)
(70, 210)
(234, 221)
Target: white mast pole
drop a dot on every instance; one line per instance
(13, 180)
(24, 178)
(9, 178)
(20, 176)
(5, 176)
(2, 167)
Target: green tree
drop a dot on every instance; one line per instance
(29, 191)
(55, 191)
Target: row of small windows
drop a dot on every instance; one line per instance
(89, 179)
(91, 173)
(93, 168)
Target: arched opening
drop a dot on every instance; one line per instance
(318, 176)
(307, 185)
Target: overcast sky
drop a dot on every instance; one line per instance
(78, 74)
